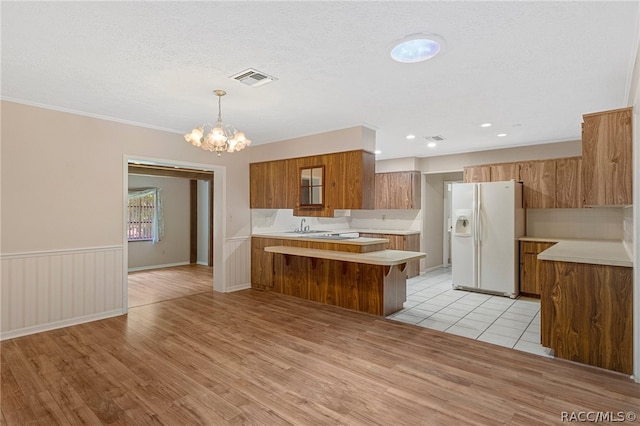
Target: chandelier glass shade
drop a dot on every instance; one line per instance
(218, 137)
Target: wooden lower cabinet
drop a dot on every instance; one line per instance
(401, 242)
(530, 267)
(587, 313)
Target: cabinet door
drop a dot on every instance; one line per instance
(506, 171)
(529, 283)
(607, 166)
(397, 190)
(539, 180)
(477, 174)
(261, 264)
(569, 183)
(530, 267)
(271, 185)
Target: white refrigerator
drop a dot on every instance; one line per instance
(488, 219)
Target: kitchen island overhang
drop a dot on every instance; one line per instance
(373, 282)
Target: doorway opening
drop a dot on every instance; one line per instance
(447, 225)
(187, 259)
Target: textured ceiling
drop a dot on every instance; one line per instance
(530, 68)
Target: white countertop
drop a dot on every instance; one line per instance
(598, 252)
(344, 231)
(361, 241)
(382, 257)
(385, 231)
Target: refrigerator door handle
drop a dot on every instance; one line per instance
(478, 283)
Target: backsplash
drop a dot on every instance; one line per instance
(386, 219)
(279, 220)
(602, 223)
(627, 230)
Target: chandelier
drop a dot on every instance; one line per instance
(218, 137)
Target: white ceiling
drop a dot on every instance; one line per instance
(530, 68)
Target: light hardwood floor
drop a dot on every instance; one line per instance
(253, 357)
(156, 285)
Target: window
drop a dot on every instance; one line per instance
(145, 215)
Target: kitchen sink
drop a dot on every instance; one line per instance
(334, 237)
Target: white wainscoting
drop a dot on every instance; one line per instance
(238, 263)
(52, 289)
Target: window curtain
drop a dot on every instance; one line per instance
(158, 216)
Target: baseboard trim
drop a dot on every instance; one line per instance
(433, 268)
(238, 287)
(166, 265)
(59, 324)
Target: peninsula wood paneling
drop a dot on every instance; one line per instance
(262, 262)
(398, 190)
(607, 160)
(401, 242)
(477, 174)
(539, 181)
(587, 313)
(569, 183)
(374, 289)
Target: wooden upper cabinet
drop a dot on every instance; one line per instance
(539, 181)
(398, 190)
(348, 182)
(569, 183)
(477, 174)
(271, 185)
(607, 166)
(505, 171)
(351, 180)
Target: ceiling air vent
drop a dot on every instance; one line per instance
(253, 78)
(435, 138)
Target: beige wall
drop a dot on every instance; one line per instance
(398, 165)
(454, 162)
(174, 247)
(63, 246)
(335, 141)
(71, 167)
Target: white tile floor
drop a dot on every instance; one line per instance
(433, 303)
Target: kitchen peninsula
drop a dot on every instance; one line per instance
(353, 273)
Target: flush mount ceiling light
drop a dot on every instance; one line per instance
(431, 145)
(218, 137)
(501, 135)
(416, 48)
(411, 136)
(485, 125)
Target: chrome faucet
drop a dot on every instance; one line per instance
(302, 224)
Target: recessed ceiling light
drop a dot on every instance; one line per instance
(416, 48)
(377, 151)
(431, 144)
(411, 136)
(485, 125)
(502, 135)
